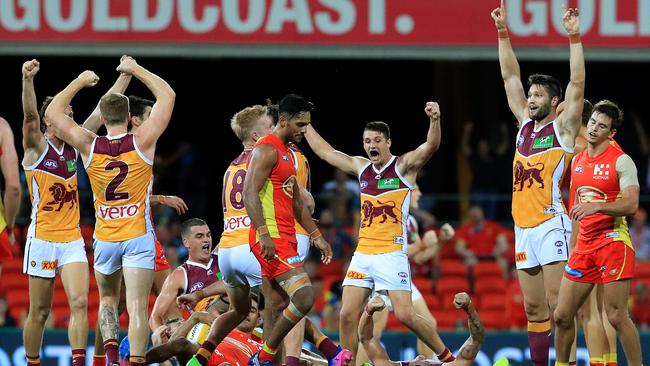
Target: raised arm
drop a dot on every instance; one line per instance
(571, 118)
(472, 345)
(93, 122)
(65, 127)
(262, 161)
(33, 138)
(9, 167)
(349, 164)
(374, 350)
(161, 113)
(172, 286)
(510, 71)
(413, 161)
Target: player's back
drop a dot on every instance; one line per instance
(52, 185)
(236, 222)
(121, 178)
(539, 165)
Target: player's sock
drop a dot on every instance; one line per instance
(267, 353)
(610, 359)
(446, 356)
(99, 360)
(33, 361)
(327, 347)
(596, 361)
(79, 357)
(561, 363)
(112, 352)
(291, 361)
(137, 361)
(539, 339)
(204, 353)
(573, 363)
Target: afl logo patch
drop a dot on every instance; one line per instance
(363, 184)
(197, 286)
(51, 164)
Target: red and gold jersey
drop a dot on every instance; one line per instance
(595, 179)
(385, 199)
(121, 178)
(236, 222)
(303, 176)
(3, 223)
(236, 349)
(276, 195)
(539, 166)
(52, 185)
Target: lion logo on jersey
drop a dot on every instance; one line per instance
(371, 211)
(61, 196)
(532, 174)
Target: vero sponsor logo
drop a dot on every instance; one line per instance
(236, 222)
(118, 212)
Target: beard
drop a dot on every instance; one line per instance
(541, 113)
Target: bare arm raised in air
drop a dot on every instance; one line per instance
(93, 122)
(33, 138)
(410, 163)
(349, 164)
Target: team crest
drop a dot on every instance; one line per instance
(60, 196)
(370, 212)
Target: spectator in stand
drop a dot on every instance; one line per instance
(342, 242)
(484, 161)
(342, 197)
(640, 305)
(640, 235)
(481, 239)
(6, 320)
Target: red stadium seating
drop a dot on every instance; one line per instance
(13, 281)
(17, 298)
(12, 266)
(489, 285)
(335, 268)
(432, 301)
(642, 270)
(448, 320)
(452, 285)
(493, 302)
(423, 284)
(493, 319)
(451, 268)
(487, 269)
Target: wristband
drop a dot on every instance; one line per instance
(315, 234)
(574, 38)
(503, 34)
(263, 230)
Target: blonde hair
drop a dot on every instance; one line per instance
(243, 122)
(114, 108)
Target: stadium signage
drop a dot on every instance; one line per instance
(325, 24)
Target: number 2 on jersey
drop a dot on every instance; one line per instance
(236, 194)
(111, 194)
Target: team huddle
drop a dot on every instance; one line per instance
(579, 253)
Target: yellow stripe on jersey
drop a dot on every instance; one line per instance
(3, 223)
(268, 209)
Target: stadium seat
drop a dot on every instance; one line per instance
(13, 266)
(493, 319)
(59, 298)
(493, 302)
(487, 269)
(489, 285)
(17, 298)
(92, 318)
(423, 284)
(452, 285)
(452, 268)
(13, 281)
(394, 324)
(449, 320)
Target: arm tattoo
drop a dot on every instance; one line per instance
(109, 322)
(477, 335)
